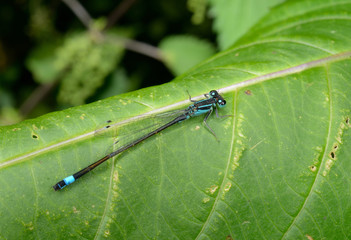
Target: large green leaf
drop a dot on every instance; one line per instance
(181, 52)
(280, 170)
(232, 18)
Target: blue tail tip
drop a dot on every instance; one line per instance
(59, 185)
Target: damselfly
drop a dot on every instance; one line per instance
(213, 99)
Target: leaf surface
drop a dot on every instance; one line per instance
(280, 171)
(233, 18)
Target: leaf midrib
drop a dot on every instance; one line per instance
(231, 88)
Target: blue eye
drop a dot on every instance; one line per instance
(214, 93)
(222, 102)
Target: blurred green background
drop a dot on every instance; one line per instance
(49, 60)
(63, 53)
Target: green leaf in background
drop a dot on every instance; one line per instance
(81, 62)
(233, 18)
(86, 63)
(41, 63)
(280, 171)
(9, 115)
(198, 8)
(183, 52)
(119, 83)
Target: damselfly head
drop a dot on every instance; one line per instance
(219, 99)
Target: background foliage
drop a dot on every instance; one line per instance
(50, 60)
(54, 55)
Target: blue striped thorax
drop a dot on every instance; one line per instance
(206, 105)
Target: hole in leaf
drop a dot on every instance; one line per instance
(332, 155)
(34, 136)
(313, 168)
(108, 126)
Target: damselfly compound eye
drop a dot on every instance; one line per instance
(213, 93)
(222, 102)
